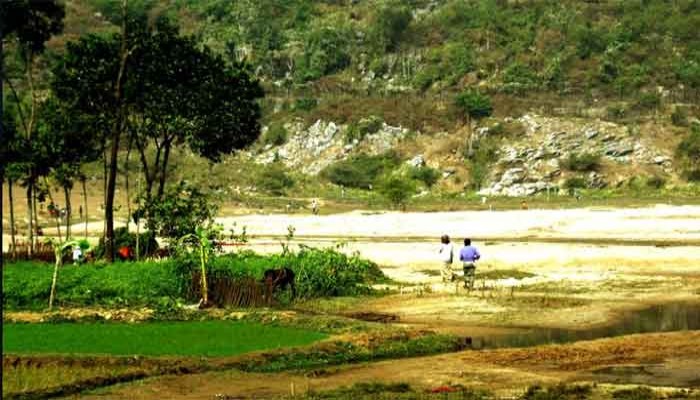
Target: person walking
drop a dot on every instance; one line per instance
(446, 253)
(314, 207)
(468, 256)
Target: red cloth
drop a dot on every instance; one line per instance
(125, 252)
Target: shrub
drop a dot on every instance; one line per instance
(573, 183)
(27, 285)
(276, 135)
(559, 392)
(582, 162)
(648, 101)
(361, 171)
(679, 117)
(305, 104)
(326, 50)
(179, 211)
(656, 182)
(397, 189)
(275, 180)
(519, 78)
(429, 176)
(148, 245)
(362, 128)
(638, 393)
(689, 150)
(318, 272)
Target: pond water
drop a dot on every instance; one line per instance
(659, 318)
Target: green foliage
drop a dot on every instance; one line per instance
(32, 23)
(484, 155)
(305, 104)
(689, 150)
(448, 63)
(275, 135)
(27, 285)
(224, 338)
(519, 78)
(389, 23)
(397, 189)
(148, 245)
(648, 101)
(337, 353)
(179, 212)
(679, 116)
(656, 182)
(582, 162)
(326, 50)
(361, 171)
(429, 176)
(574, 183)
(473, 104)
(637, 393)
(319, 272)
(275, 180)
(366, 126)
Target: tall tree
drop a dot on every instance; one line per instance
(67, 139)
(473, 106)
(187, 95)
(29, 24)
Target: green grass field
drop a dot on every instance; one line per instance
(204, 338)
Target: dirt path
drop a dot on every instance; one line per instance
(671, 359)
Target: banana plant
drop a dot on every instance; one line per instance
(202, 239)
(58, 249)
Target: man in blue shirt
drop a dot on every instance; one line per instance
(468, 256)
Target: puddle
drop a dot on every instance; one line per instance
(660, 318)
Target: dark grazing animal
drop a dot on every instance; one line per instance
(279, 279)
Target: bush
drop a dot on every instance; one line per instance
(648, 101)
(583, 162)
(689, 150)
(276, 135)
(559, 392)
(638, 393)
(319, 272)
(656, 182)
(573, 183)
(679, 117)
(362, 128)
(397, 189)
(27, 285)
(148, 245)
(275, 180)
(326, 51)
(429, 176)
(305, 104)
(179, 211)
(519, 78)
(361, 171)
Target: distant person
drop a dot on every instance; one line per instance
(446, 254)
(523, 205)
(314, 206)
(80, 211)
(77, 255)
(468, 256)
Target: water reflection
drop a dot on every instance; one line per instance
(659, 318)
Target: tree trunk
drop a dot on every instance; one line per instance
(85, 205)
(164, 170)
(116, 135)
(58, 221)
(12, 219)
(30, 220)
(126, 178)
(69, 211)
(59, 260)
(104, 187)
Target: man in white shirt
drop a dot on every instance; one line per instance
(446, 252)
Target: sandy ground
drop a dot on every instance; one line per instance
(660, 222)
